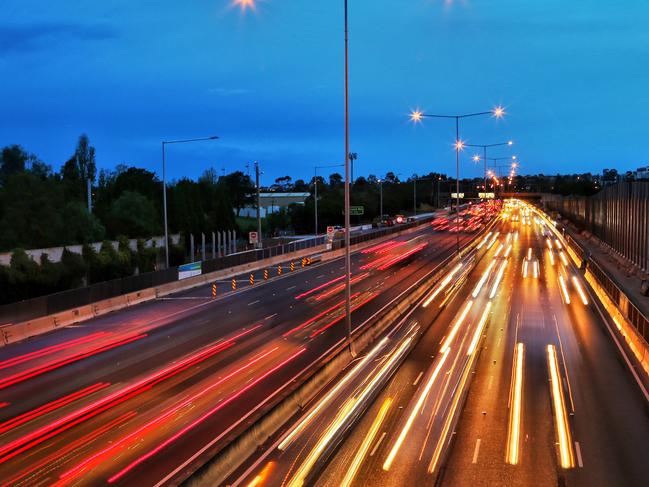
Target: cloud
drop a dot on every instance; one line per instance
(31, 37)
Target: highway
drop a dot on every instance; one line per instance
(144, 395)
(512, 381)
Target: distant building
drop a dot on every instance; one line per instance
(642, 173)
(272, 202)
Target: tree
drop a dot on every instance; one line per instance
(81, 226)
(133, 215)
(84, 156)
(13, 161)
(222, 215)
(240, 189)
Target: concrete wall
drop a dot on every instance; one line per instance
(54, 253)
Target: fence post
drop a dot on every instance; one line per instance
(191, 247)
(213, 246)
(202, 246)
(219, 244)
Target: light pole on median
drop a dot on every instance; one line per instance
(417, 115)
(164, 186)
(315, 192)
(348, 264)
(484, 155)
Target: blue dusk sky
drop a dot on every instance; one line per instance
(573, 77)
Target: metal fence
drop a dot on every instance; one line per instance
(54, 303)
(613, 291)
(618, 215)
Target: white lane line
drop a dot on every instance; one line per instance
(320, 276)
(580, 462)
(476, 451)
(253, 302)
(376, 447)
(289, 288)
(270, 316)
(418, 378)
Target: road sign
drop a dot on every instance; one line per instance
(486, 196)
(253, 238)
(454, 195)
(356, 210)
(330, 232)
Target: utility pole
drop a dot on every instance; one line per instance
(259, 244)
(315, 200)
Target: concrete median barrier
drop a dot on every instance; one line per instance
(242, 446)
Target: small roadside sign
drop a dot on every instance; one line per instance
(330, 232)
(253, 238)
(356, 210)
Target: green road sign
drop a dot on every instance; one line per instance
(356, 210)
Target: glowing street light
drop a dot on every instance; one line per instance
(476, 158)
(417, 115)
(245, 4)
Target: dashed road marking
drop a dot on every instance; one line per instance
(580, 462)
(418, 378)
(289, 288)
(253, 302)
(376, 447)
(269, 317)
(476, 450)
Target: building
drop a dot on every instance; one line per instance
(272, 202)
(642, 173)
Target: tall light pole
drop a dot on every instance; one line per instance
(381, 199)
(258, 186)
(484, 155)
(348, 264)
(164, 186)
(417, 115)
(315, 191)
(414, 194)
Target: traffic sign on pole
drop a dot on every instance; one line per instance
(253, 238)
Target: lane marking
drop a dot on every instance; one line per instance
(320, 276)
(476, 451)
(418, 378)
(376, 447)
(270, 316)
(253, 302)
(578, 450)
(289, 288)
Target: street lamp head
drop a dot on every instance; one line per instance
(514, 158)
(476, 158)
(245, 4)
(498, 112)
(459, 145)
(510, 142)
(416, 116)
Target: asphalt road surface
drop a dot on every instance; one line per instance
(142, 396)
(513, 381)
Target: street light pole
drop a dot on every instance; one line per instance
(417, 115)
(164, 186)
(414, 193)
(257, 183)
(348, 265)
(484, 155)
(381, 199)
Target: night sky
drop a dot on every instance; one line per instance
(573, 77)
